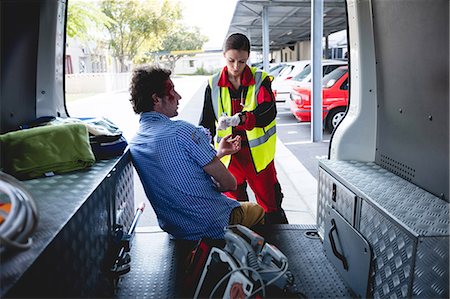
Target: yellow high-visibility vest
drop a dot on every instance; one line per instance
(262, 141)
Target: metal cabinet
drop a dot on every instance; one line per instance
(406, 227)
(77, 215)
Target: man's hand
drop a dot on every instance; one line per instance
(228, 146)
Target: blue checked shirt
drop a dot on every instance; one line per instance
(169, 157)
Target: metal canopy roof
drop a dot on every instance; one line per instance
(289, 21)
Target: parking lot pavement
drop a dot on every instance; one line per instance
(298, 185)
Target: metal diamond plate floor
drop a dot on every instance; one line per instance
(156, 260)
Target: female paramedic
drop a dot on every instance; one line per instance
(239, 100)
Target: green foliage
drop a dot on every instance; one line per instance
(184, 38)
(138, 24)
(82, 17)
(134, 28)
(202, 71)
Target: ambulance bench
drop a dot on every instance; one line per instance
(78, 214)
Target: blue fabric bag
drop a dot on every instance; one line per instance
(105, 137)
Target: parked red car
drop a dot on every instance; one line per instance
(334, 98)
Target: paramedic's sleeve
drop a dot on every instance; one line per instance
(266, 111)
(207, 118)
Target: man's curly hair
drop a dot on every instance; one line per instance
(147, 80)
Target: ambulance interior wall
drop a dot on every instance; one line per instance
(19, 44)
(412, 66)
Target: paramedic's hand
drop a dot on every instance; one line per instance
(228, 146)
(223, 122)
(235, 120)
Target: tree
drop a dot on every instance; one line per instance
(182, 41)
(178, 42)
(83, 15)
(137, 22)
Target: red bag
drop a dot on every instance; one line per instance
(196, 262)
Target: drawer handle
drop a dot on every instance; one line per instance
(333, 193)
(333, 245)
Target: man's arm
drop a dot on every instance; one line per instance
(224, 179)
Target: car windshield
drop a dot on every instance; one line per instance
(274, 68)
(284, 73)
(303, 74)
(332, 77)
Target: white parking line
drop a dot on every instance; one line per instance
(302, 142)
(297, 142)
(321, 157)
(283, 112)
(292, 124)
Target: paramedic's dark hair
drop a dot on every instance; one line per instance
(147, 80)
(236, 41)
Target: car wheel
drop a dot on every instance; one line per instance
(334, 117)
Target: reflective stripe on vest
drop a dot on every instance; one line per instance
(262, 141)
(264, 138)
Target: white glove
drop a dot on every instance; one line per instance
(227, 121)
(224, 122)
(235, 120)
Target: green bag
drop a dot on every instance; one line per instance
(38, 151)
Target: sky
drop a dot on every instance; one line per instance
(212, 17)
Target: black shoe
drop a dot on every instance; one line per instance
(278, 217)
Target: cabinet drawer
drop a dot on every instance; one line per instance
(333, 194)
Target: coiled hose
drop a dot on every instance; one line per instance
(22, 217)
